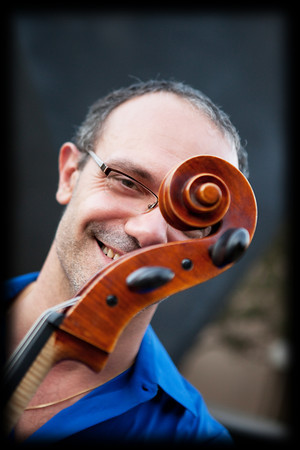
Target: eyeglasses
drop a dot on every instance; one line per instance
(133, 195)
(128, 192)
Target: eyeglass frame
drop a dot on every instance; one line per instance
(106, 170)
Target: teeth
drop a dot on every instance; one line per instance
(110, 253)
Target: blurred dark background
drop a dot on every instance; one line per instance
(62, 62)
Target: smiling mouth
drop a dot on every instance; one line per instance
(108, 251)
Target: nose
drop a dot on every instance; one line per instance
(148, 229)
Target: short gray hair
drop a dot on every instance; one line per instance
(89, 131)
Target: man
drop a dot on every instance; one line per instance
(140, 132)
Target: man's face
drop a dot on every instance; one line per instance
(144, 138)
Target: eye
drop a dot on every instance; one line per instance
(127, 182)
(124, 184)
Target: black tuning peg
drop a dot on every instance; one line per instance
(229, 247)
(148, 278)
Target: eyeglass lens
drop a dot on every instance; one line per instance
(130, 193)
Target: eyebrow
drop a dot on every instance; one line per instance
(130, 167)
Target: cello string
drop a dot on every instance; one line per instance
(33, 331)
(55, 402)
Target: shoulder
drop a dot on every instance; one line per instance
(15, 285)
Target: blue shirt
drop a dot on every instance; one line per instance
(151, 401)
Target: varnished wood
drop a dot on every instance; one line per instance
(199, 192)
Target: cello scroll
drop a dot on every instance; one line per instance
(199, 192)
(193, 195)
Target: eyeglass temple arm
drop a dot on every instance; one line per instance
(105, 169)
(98, 161)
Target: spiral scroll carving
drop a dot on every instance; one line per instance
(198, 192)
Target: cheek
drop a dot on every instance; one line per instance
(89, 198)
(98, 206)
(92, 202)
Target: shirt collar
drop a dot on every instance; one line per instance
(154, 366)
(152, 369)
(13, 286)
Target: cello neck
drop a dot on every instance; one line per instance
(43, 346)
(26, 388)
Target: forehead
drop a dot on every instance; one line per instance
(160, 130)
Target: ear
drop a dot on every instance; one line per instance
(68, 172)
